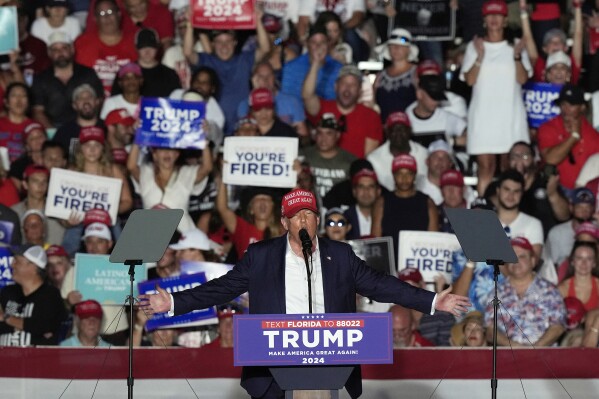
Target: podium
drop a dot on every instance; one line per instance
(312, 351)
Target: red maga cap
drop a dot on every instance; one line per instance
(56, 250)
(97, 216)
(405, 161)
(120, 116)
(91, 133)
(261, 98)
(397, 118)
(452, 177)
(296, 200)
(31, 169)
(521, 242)
(89, 308)
(494, 7)
(410, 274)
(428, 67)
(365, 172)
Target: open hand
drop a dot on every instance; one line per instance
(155, 303)
(451, 303)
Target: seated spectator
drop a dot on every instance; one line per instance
(160, 338)
(365, 191)
(35, 183)
(404, 333)
(166, 266)
(542, 197)
(288, 108)
(363, 131)
(568, 140)
(470, 332)
(97, 238)
(130, 82)
(86, 103)
(591, 330)
(33, 224)
(395, 86)
(336, 225)
(53, 156)
(560, 239)
(148, 14)
(165, 181)
(107, 47)
(405, 208)
(34, 137)
(17, 100)
(398, 131)
(554, 40)
(56, 19)
(582, 280)
(159, 80)
(59, 267)
(453, 191)
(536, 314)
(558, 69)
(88, 319)
(31, 311)
(53, 88)
(316, 59)
(225, 314)
(262, 110)
(329, 164)
(234, 70)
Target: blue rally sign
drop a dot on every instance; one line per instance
(313, 339)
(5, 267)
(171, 123)
(538, 99)
(172, 285)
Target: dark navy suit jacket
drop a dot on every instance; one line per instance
(261, 272)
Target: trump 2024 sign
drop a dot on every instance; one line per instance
(313, 339)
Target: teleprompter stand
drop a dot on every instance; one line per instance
(483, 240)
(331, 378)
(144, 239)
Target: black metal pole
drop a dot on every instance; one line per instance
(309, 275)
(495, 310)
(131, 264)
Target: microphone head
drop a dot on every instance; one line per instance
(303, 235)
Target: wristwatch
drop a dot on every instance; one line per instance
(576, 135)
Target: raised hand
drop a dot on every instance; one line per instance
(155, 303)
(479, 46)
(451, 303)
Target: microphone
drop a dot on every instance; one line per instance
(307, 251)
(306, 242)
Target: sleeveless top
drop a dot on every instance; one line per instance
(404, 214)
(395, 93)
(593, 301)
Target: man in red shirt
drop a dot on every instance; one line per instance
(146, 14)
(568, 140)
(362, 127)
(404, 333)
(107, 48)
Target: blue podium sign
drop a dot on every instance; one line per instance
(313, 339)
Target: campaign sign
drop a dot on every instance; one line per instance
(108, 283)
(70, 191)
(428, 251)
(171, 123)
(172, 285)
(376, 252)
(426, 19)
(5, 269)
(223, 14)
(538, 99)
(6, 230)
(313, 339)
(260, 161)
(9, 33)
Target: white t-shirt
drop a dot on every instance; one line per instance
(117, 102)
(42, 29)
(526, 226)
(589, 171)
(440, 122)
(344, 8)
(381, 160)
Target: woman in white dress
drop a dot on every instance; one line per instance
(496, 70)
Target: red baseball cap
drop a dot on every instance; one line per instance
(494, 7)
(365, 172)
(121, 116)
(296, 200)
(452, 177)
(91, 133)
(397, 118)
(56, 250)
(521, 242)
(405, 161)
(130, 67)
(87, 309)
(575, 312)
(261, 98)
(31, 169)
(97, 216)
(428, 67)
(120, 155)
(34, 126)
(587, 228)
(410, 274)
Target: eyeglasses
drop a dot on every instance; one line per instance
(399, 39)
(335, 223)
(105, 13)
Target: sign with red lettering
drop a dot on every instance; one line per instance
(313, 339)
(223, 14)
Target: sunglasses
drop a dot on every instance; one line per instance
(335, 223)
(106, 13)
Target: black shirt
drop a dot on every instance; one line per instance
(159, 81)
(56, 97)
(68, 134)
(280, 129)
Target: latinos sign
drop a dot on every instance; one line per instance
(334, 338)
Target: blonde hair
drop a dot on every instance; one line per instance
(105, 162)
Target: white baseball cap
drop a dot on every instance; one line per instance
(59, 37)
(97, 230)
(193, 239)
(559, 57)
(33, 253)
